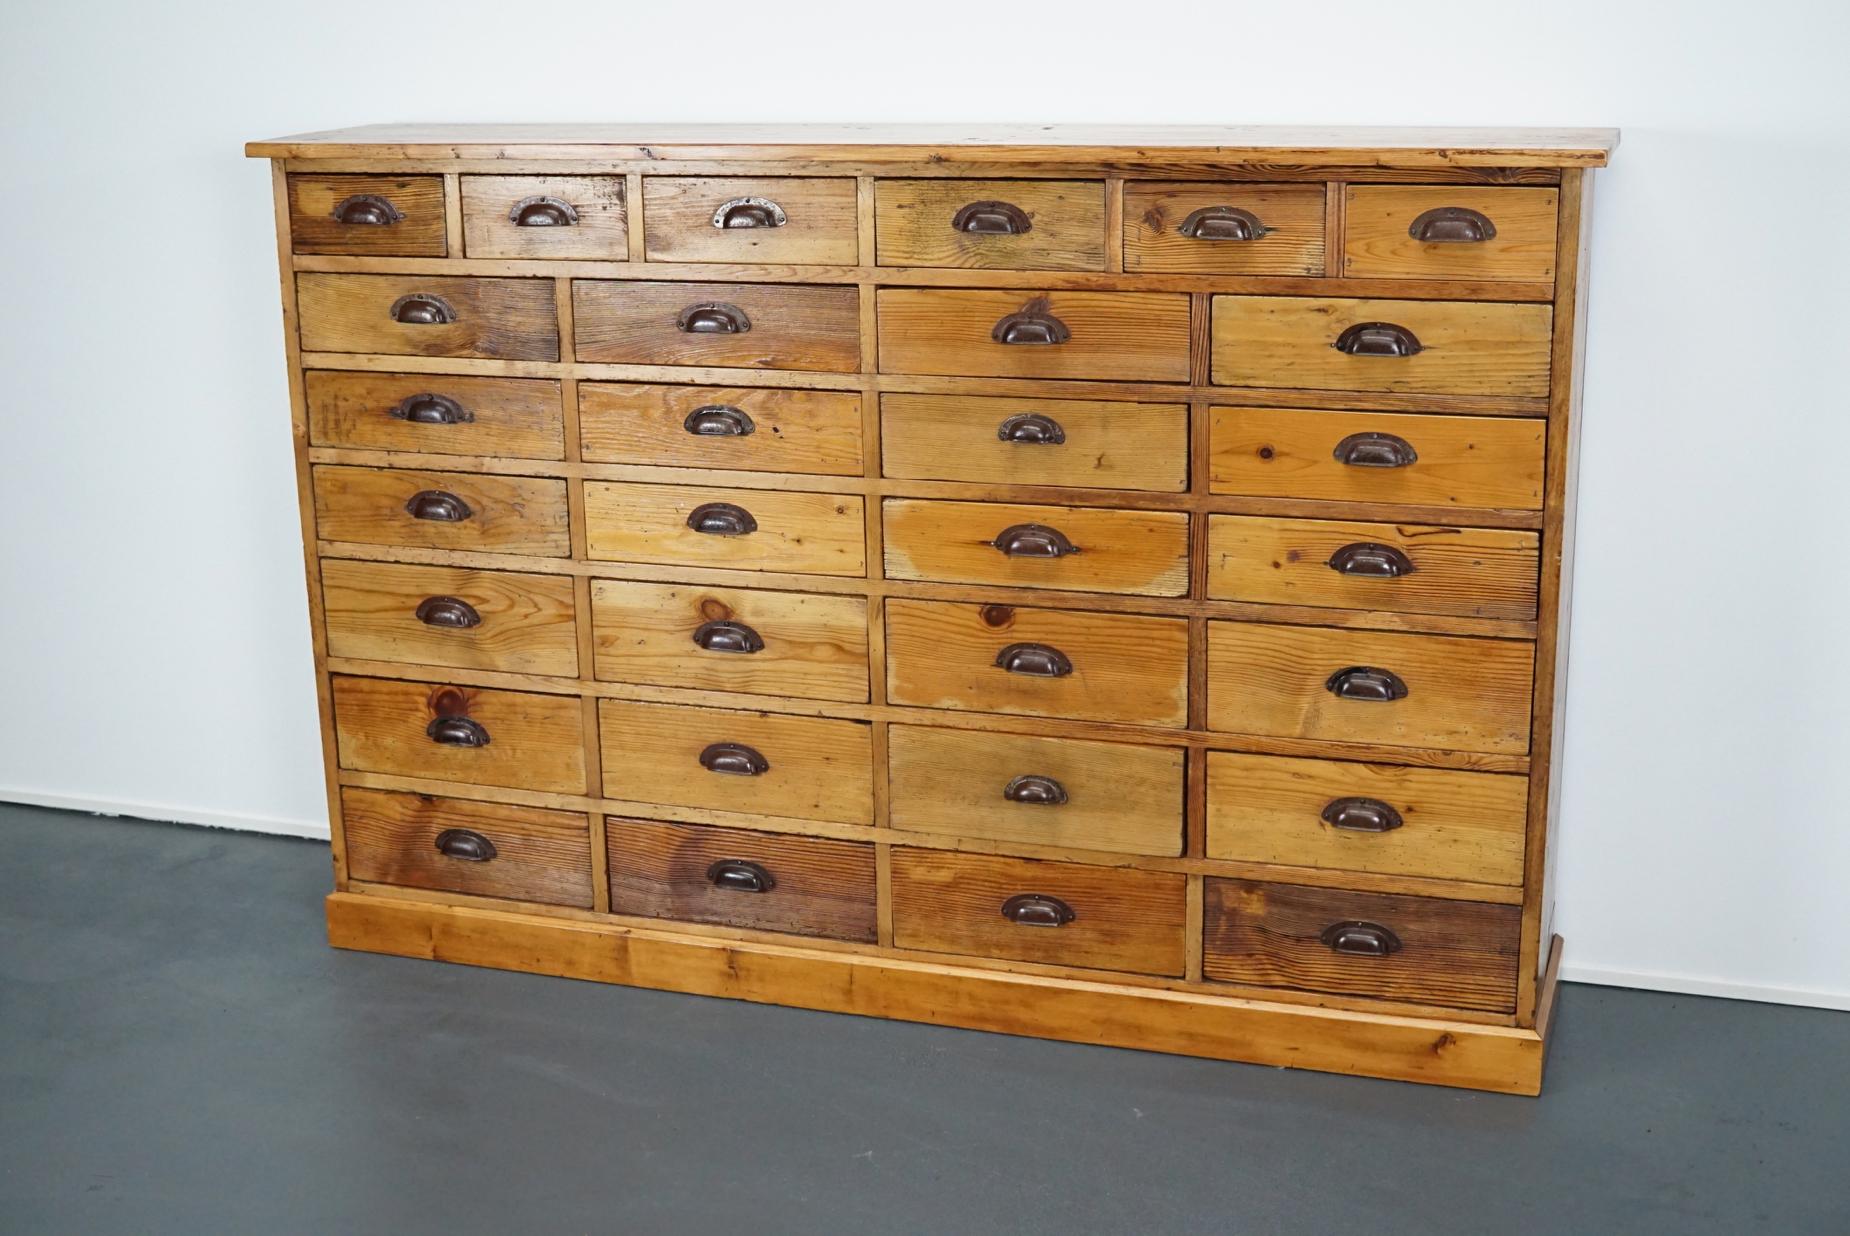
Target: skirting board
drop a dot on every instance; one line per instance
(167, 813)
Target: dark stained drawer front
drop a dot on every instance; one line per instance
(732, 325)
(436, 414)
(443, 510)
(400, 216)
(991, 224)
(436, 615)
(1449, 232)
(429, 315)
(786, 220)
(1228, 229)
(469, 735)
(456, 845)
(1081, 443)
(1076, 548)
(740, 428)
(1111, 336)
(738, 529)
(581, 217)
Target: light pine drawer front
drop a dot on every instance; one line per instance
(1377, 818)
(581, 217)
(429, 315)
(442, 510)
(1409, 568)
(454, 845)
(436, 414)
(1088, 549)
(786, 220)
(469, 735)
(727, 427)
(1061, 914)
(1445, 692)
(731, 639)
(1111, 336)
(1081, 443)
(398, 216)
(991, 224)
(806, 768)
(1486, 462)
(1036, 791)
(434, 615)
(741, 529)
(1228, 229)
(1454, 232)
(1421, 950)
(733, 325)
(1414, 346)
(1037, 662)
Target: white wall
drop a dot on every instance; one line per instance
(153, 645)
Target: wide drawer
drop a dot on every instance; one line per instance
(1421, 950)
(738, 325)
(1089, 444)
(583, 217)
(442, 510)
(1227, 229)
(1037, 662)
(1061, 914)
(991, 224)
(435, 615)
(400, 216)
(1454, 232)
(1088, 549)
(1036, 791)
(463, 734)
(436, 414)
(805, 768)
(455, 845)
(429, 315)
(744, 529)
(1113, 336)
(731, 639)
(726, 427)
(760, 881)
(787, 220)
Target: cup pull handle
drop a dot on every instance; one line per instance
(1223, 223)
(367, 210)
(1375, 450)
(991, 219)
(1037, 910)
(725, 635)
(734, 759)
(1452, 225)
(1032, 325)
(712, 318)
(1034, 661)
(542, 211)
(1035, 790)
(1033, 541)
(1365, 682)
(1378, 339)
(428, 409)
(1371, 561)
(721, 519)
(1360, 939)
(437, 506)
(1031, 428)
(457, 732)
(1361, 815)
(466, 844)
(718, 420)
(740, 875)
(423, 309)
(452, 612)
(749, 212)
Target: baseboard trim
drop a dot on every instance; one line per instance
(168, 813)
(1693, 985)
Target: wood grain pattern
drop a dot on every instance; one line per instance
(1107, 445)
(1291, 214)
(819, 226)
(517, 418)
(803, 533)
(508, 514)
(1066, 224)
(525, 622)
(540, 855)
(1377, 243)
(791, 326)
(1131, 551)
(792, 430)
(599, 233)
(1122, 336)
(535, 742)
(495, 319)
(314, 229)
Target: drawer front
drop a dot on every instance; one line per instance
(726, 427)
(1377, 818)
(786, 220)
(545, 217)
(743, 529)
(433, 615)
(1454, 232)
(464, 734)
(740, 325)
(429, 315)
(1228, 229)
(1407, 568)
(400, 216)
(1440, 691)
(437, 414)
(731, 639)
(1112, 336)
(991, 224)
(762, 881)
(1037, 662)
(1089, 549)
(454, 845)
(1087, 444)
(805, 768)
(1423, 950)
(1457, 461)
(442, 510)
(1463, 348)
(1036, 791)
(1059, 914)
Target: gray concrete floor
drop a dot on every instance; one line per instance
(180, 1052)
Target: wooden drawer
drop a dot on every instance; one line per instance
(1036, 791)
(454, 845)
(442, 510)
(1408, 568)
(1460, 694)
(1455, 953)
(1083, 443)
(762, 881)
(1449, 232)
(400, 216)
(803, 533)
(434, 615)
(741, 325)
(1487, 462)
(429, 315)
(1060, 914)
(1094, 667)
(1113, 336)
(545, 217)
(991, 224)
(806, 768)
(1088, 549)
(436, 414)
(1227, 229)
(731, 639)
(785, 220)
(1466, 348)
(727, 427)
(1389, 820)
(463, 734)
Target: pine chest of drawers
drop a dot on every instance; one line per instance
(1102, 585)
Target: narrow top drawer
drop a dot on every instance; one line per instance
(546, 217)
(991, 224)
(400, 216)
(787, 220)
(1229, 229)
(1450, 232)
